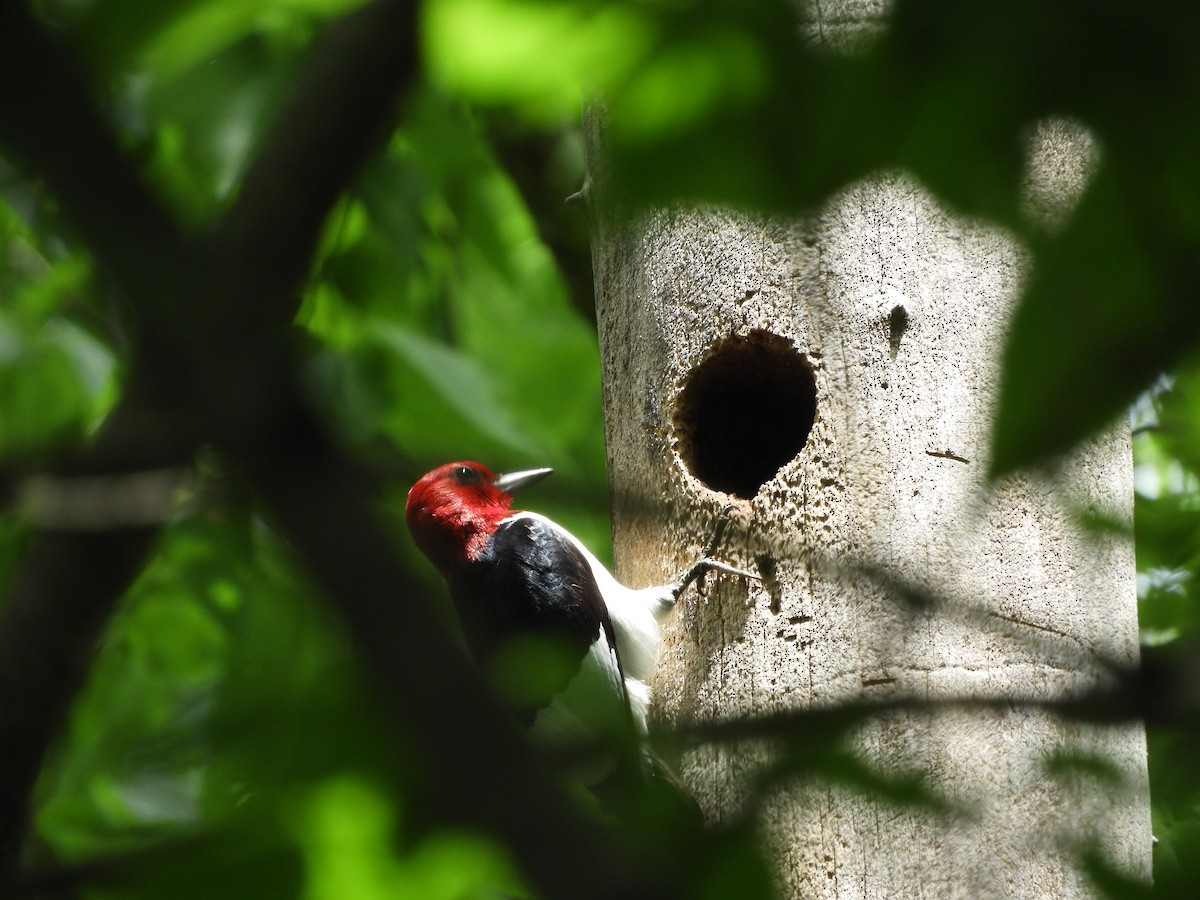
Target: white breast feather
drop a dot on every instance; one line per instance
(636, 617)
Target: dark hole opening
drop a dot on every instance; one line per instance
(745, 411)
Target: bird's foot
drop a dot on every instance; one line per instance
(706, 563)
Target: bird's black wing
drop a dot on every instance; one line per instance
(531, 581)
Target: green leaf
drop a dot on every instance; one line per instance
(346, 827)
(533, 54)
(1107, 309)
(56, 382)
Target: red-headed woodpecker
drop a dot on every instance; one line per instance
(517, 575)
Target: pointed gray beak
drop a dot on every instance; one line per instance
(511, 482)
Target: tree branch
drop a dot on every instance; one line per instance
(343, 107)
(1109, 705)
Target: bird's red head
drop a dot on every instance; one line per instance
(452, 510)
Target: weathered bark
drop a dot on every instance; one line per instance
(898, 309)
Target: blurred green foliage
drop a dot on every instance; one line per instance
(225, 744)
(1167, 515)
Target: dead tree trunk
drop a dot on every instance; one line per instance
(835, 378)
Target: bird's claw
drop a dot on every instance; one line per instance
(714, 565)
(706, 563)
(719, 526)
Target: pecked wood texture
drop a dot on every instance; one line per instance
(899, 308)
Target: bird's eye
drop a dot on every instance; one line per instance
(466, 475)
